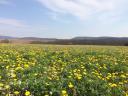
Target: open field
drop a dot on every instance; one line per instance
(49, 70)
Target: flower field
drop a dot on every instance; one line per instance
(51, 70)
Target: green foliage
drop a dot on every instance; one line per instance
(47, 70)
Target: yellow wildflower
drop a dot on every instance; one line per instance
(46, 95)
(27, 93)
(79, 77)
(1, 84)
(26, 66)
(113, 85)
(13, 75)
(7, 86)
(16, 92)
(70, 85)
(64, 93)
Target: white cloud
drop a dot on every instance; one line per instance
(12, 22)
(82, 8)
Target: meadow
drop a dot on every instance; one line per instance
(55, 70)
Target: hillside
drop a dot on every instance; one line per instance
(74, 41)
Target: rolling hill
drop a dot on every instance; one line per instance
(73, 41)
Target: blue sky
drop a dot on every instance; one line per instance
(63, 18)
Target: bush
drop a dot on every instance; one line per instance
(5, 41)
(126, 44)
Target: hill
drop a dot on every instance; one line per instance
(6, 37)
(74, 41)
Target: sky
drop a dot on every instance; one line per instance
(63, 18)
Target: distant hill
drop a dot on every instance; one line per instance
(6, 37)
(74, 41)
(101, 40)
(38, 39)
(93, 41)
(97, 38)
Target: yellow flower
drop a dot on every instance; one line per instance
(27, 93)
(26, 66)
(121, 83)
(13, 75)
(113, 85)
(18, 68)
(79, 77)
(1, 84)
(46, 95)
(64, 93)
(7, 86)
(35, 74)
(69, 76)
(123, 76)
(70, 85)
(84, 73)
(16, 92)
(7, 67)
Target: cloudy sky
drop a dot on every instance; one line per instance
(64, 18)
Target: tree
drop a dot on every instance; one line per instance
(126, 44)
(5, 41)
